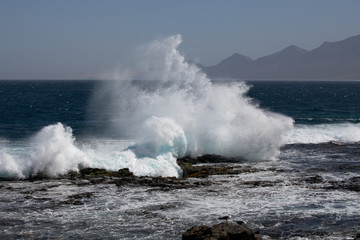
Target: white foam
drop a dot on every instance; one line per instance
(216, 119)
(323, 133)
(51, 152)
(180, 113)
(54, 152)
(10, 167)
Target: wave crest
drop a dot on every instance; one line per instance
(215, 119)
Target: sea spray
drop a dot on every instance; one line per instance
(54, 152)
(205, 118)
(157, 110)
(49, 153)
(10, 167)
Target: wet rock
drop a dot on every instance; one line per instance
(260, 183)
(314, 179)
(100, 172)
(190, 171)
(209, 158)
(97, 180)
(357, 237)
(41, 198)
(81, 182)
(124, 177)
(73, 202)
(222, 231)
(353, 184)
(125, 172)
(77, 199)
(81, 195)
(7, 187)
(194, 171)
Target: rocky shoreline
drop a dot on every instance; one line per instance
(193, 168)
(196, 174)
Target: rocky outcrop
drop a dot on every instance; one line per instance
(202, 171)
(222, 231)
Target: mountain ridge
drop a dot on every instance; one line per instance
(338, 60)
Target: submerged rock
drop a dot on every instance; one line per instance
(77, 199)
(222, 231)
(209, 158)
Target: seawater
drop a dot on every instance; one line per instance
(322, 143)
(144, 119)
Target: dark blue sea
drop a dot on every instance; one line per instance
(302, 136)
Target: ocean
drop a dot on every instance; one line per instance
(298, 142)
(323, 143)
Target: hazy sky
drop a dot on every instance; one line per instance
(72, 39)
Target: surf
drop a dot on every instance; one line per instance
(156, 109)
(324, 133)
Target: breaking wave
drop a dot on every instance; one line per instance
(158, 109)
(169, 105)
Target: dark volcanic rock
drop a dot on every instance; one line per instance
(222, 231)
(353, 184)
(124, 177)
(77, 199)
(208, 158)
(191, 171)
(357, 237)
(314, 179)
(99, 172)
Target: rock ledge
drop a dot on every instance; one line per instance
(221, 231)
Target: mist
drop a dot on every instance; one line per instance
(166, 104)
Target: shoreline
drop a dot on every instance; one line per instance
(201, 174)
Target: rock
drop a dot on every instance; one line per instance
(222, 231)
(209, 158)
(125, 172)
(93, 172)
(221, 168)
(260, 183)
(352, 184)
(357, 237)
(77, 199)
(315, 179)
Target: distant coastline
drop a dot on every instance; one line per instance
(330, 61)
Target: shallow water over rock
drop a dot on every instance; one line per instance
(309, 193)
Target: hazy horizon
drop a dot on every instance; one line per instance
(86, 39)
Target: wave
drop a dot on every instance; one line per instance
(50, 153)
(169, 108)
(53, 151)
(324, 133)
(181, 103)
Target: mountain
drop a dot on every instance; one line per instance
(233, 66)
(330, 61)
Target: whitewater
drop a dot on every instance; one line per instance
(180, 112)
(159, 108)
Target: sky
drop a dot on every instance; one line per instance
(83, 39)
